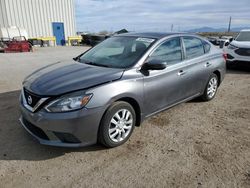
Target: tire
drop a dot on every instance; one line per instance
(112, 132)
(212, 85)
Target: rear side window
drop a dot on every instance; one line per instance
(194, 47)
(206, 47)
(169, 52)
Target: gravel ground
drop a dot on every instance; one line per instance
(195, 144)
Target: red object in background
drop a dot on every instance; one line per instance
(225, 56)
(19, 44)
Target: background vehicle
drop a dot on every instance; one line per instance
(223, 39)
(238, 49)
(113, 87)
(213, 40)
(16, 44)
(94, 39)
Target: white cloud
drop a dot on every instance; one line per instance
(96, 15)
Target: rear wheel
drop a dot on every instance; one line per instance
(211, 88)
(117, 124)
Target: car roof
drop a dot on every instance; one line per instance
(156, 35)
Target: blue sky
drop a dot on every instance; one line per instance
(158, 15)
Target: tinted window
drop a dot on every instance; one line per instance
(194, 47)
(169, 52)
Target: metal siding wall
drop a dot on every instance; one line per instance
(73, 17)
(67, 17)
(36, 16)
(10, 12)
(3, 14)
(36, 23)
(46, 16)
(64, 16)
(23, 10)
(19, 12)
(51, 15)
(30, 19)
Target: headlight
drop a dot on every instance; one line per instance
(232, 47)
(69, 102)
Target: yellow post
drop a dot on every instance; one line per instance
(77, 38)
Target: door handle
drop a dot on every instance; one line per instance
(181, 72)
(208, 64)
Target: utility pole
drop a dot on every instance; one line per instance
(229, 25)
(172, 27)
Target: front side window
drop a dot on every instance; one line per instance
(169, 52)
(117, 52)
(194, 47)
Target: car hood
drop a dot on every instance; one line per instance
(241, 44)
(63, 77)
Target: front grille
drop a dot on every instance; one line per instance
(35, 130)
(243, 51)
(31, 98)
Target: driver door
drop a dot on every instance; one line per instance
(163, 88)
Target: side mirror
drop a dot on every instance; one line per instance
(154, 65)
(227, 43)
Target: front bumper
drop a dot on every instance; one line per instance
(234, 57)
(69, 129)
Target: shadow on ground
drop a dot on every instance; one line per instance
(16, 143)
(239, 69)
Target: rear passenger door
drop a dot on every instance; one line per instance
(196, 65)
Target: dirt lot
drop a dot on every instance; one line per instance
(194, 144)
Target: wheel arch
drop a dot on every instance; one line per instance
(136, 107)
(218, 74)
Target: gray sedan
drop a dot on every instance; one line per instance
(101, 95)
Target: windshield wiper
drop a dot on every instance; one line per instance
(76, 59)
(92, 63)
(96, 64)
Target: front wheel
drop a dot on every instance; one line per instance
(117, 124)
(211, 88)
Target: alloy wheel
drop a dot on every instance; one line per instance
(120, 125)
(212, 87)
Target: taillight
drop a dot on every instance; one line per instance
(225, 56)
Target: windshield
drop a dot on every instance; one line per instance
(117, 52)
(243, 36)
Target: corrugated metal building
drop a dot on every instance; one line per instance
(41, 18)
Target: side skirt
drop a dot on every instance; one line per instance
(172, 105)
